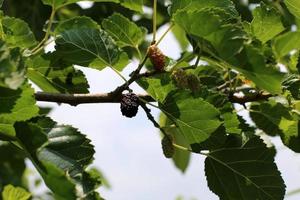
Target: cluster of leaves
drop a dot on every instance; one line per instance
(250, 48)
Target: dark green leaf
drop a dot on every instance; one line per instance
(254, 67)
(56, 76)
(276, 119)
(61, 154)
(78, 22)
(12, 165)
(245, 172)
(88, 47)
(32, 11)
(292, 83)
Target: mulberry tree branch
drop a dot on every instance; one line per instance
(76, 99)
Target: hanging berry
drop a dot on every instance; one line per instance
(157, 58)
(167, 147)
(129, 104)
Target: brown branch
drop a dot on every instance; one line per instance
(246, 99)
(75, 99)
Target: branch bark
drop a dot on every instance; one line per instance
(76, 99)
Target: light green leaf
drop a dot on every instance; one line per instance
(158, 86)
(244, 172)
(16, 105)
(294, 7)
(196, 118)
(84, 46)
(136, 5)
(266, 23)
(78, 22)
(56, 77)
(230, 118)
(212, 25)
(61, 154)
(181, 159)
(125, 32)
(15, 193)
(17, 33)
(285, 43)
(190, 5)
(12, 67)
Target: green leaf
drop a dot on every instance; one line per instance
(195, 118)
(285, 43)
(59, 3)
(32, 11)
(294, 7)
(12, 165)
(181, 159)
(84, 46)
(266, 23)
(212, 25)
(56, 76)
(276, 119)
(78, 22)
(292, 83)
(125, 32)
(158, 86)
(16, 105)
(1, 2)
(245, 172)
(136, 5)
(230, 118)
(61, 154)
(253, 66)
(15, 193)
(221, 102)
(17, 33)
(190, 5)
(12, 67)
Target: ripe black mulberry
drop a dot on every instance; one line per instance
(129, 104)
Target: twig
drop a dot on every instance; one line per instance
(246, 99)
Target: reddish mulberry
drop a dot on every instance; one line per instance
(157, 58)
